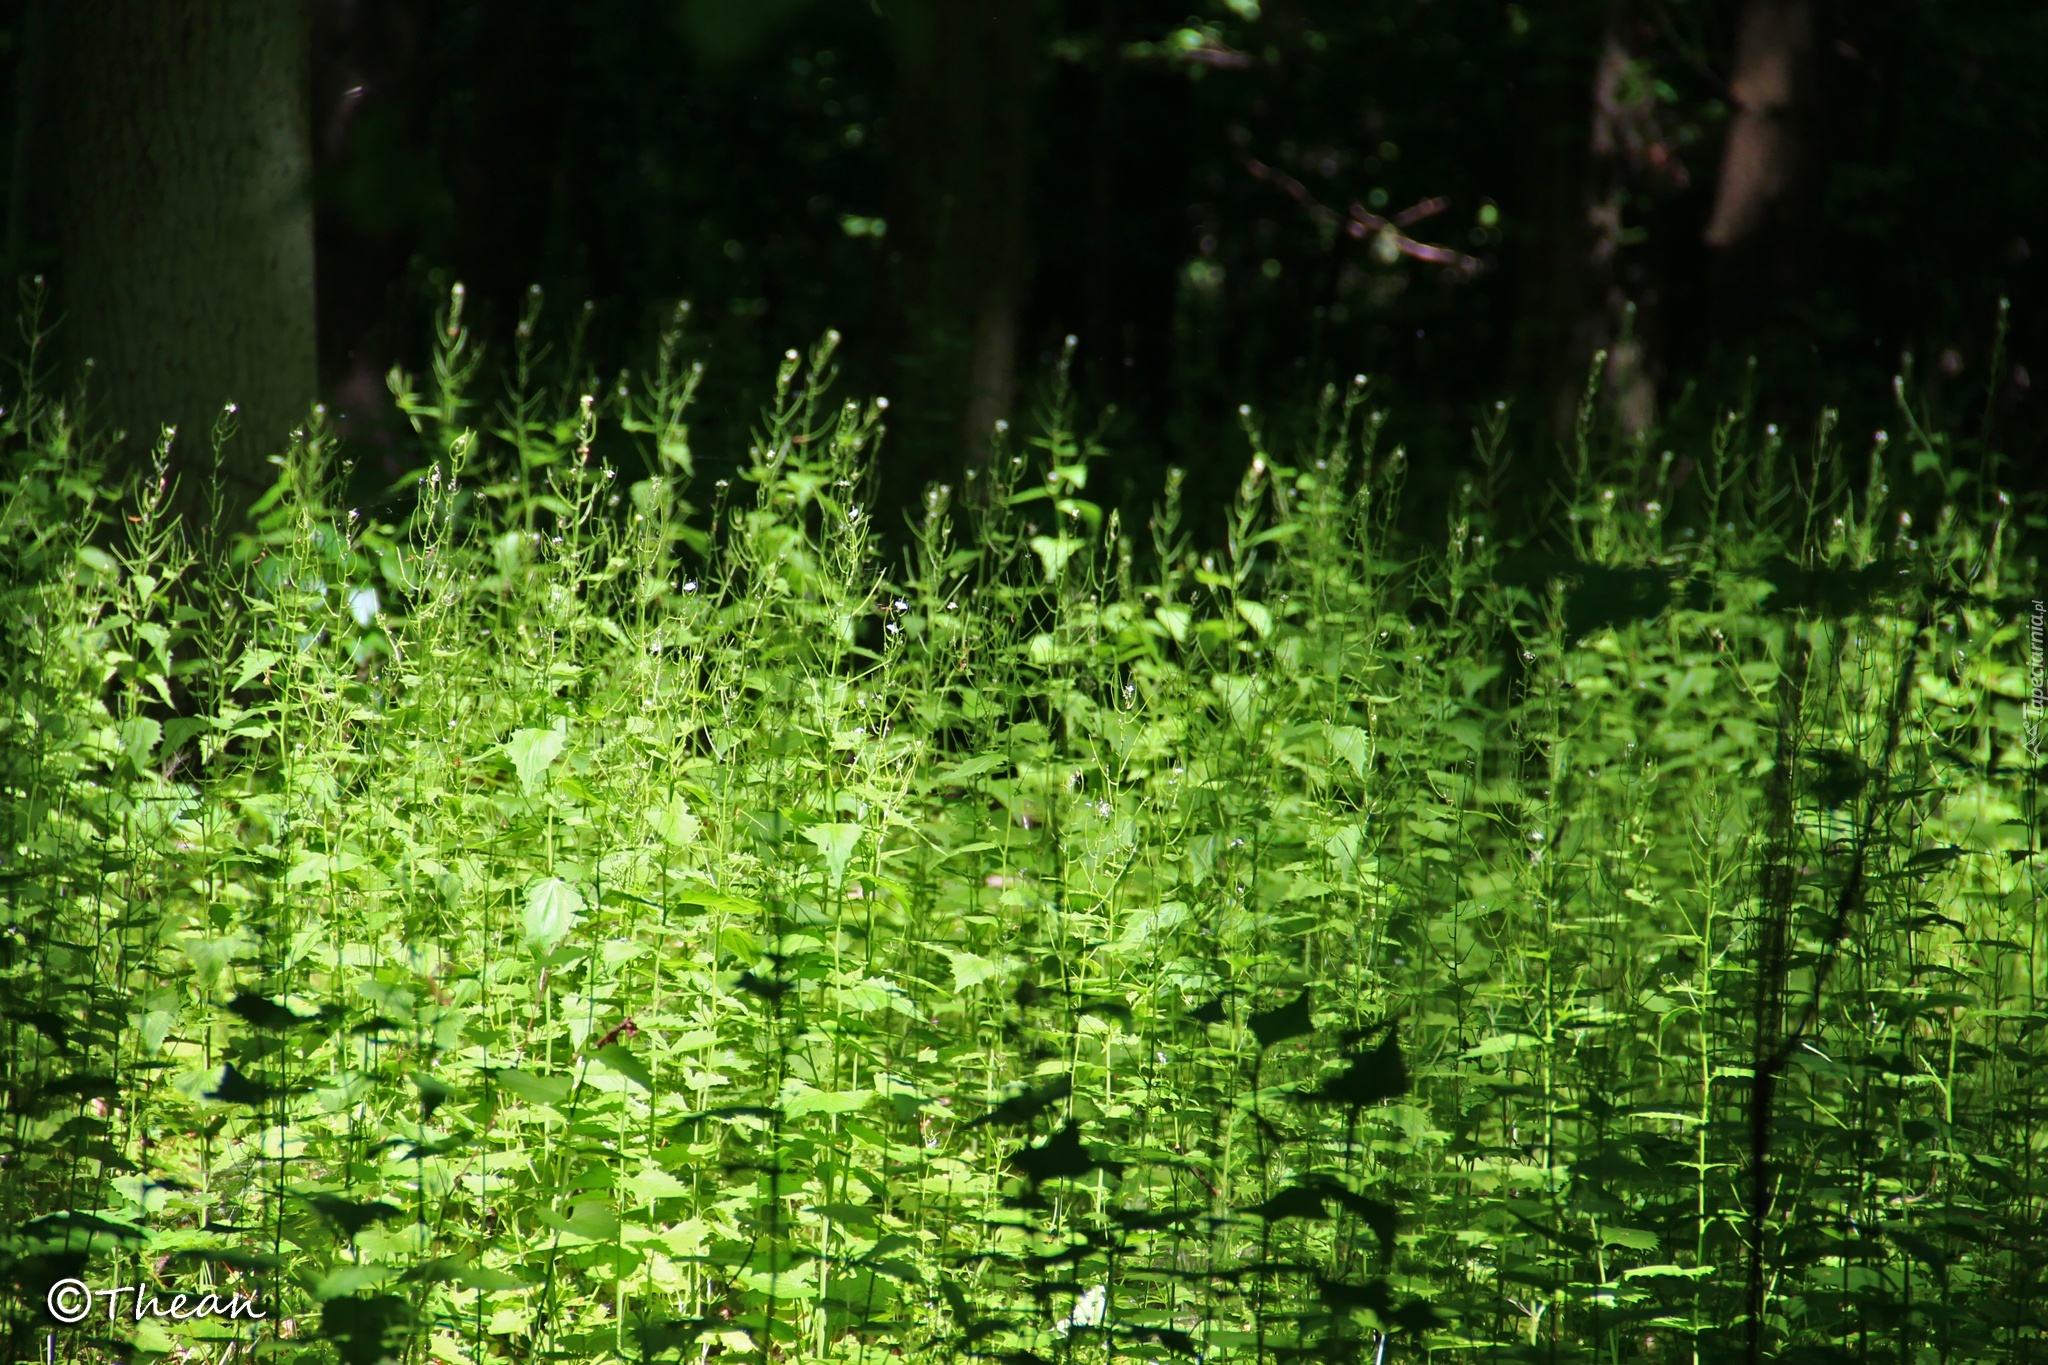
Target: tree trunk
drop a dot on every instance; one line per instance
(1585, 294)
(957, 230)
(1762, 202)
(185, 222)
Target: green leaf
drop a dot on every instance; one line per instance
(837, 843)
(713, 899)
(1632, 1238)
(970, 969)
(593, 1220)
(1054, 552)
(616, 1057)
(533, 751)
(827, 1102)
(673, 822)
(1350, 744)
(1239, 693)
(551, 1090)
(255, 664)
(553, 908)
(139, 737)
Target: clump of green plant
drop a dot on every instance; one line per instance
(594, 915)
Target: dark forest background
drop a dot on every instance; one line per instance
(1777, 203)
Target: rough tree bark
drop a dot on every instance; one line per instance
(185, 220)
(957, 229)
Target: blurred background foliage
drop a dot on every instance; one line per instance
(1785, 202)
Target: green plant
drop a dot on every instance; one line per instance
(569, 921)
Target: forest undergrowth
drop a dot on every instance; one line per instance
(594, 915)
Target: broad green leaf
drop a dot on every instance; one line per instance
(1054, 552)
(533, 751)
(552, 1090)
(1350, 744)
(255, 664)
(553, 909)
(837, 843)
(1239, 693)
(139, 737)
(673, 822)
(619, 1059)
(970, 969)
(826, 1102)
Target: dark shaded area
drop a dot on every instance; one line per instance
(1233, 205)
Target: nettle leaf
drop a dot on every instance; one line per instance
(616, 1057)
(551, 1090)
(673, 822)
(1350, 744)
(139, 738)
(553, 908)
(255, 664)
(837, 842)
(533, 752)
(1240, 695)
(826, 1102)
(970, 969)
(591, 1219)
(710, 898)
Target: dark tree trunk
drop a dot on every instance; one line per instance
(1586, 292)
(957, 230)
(185, 220)
(1764, 200)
